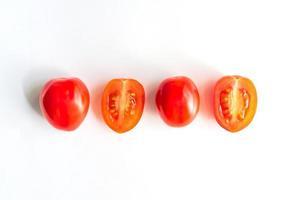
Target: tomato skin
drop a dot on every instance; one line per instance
(235, 102)
(123, 104)
(64, 102)
(177, 101)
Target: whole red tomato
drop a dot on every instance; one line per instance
(64, 102)
(178, 100)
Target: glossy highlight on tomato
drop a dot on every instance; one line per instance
(235, 102)
(123, 104)
(177, 101)
(64, 102)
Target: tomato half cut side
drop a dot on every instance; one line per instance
(123, 104)
(235, 102)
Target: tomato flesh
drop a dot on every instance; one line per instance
(177, 101)
(64, 102)
(235, 102)
(123, 104)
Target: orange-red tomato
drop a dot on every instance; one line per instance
(123, 104)
(178, 100)
(235, 102)
(64, 102)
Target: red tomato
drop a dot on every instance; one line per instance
(123, 104)
(235, 102)
(64, 102)
(177, 100)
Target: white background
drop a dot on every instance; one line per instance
(149, 40)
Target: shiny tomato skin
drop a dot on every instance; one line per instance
(123, 104)
(177, 101)
(235, 102)
(64, 102)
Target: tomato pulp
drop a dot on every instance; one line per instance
(64, 102)
(235, 102)
(177, 101)
(123, 104)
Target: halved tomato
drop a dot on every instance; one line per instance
(123, 104)
(235, 102)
